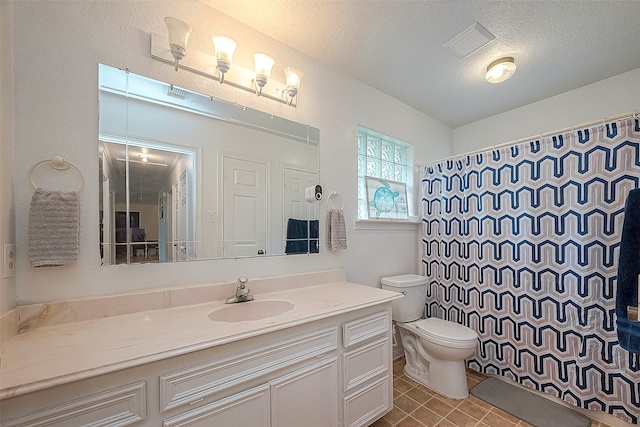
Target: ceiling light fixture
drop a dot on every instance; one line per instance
(144, 157)
(179, 33)
(500, 70)
(224, 47)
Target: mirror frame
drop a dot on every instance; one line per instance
(130, 85)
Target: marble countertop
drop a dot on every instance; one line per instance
(58, 354)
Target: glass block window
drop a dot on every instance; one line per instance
(383, 157)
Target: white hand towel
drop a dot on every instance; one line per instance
(336, 230)
(54, 228)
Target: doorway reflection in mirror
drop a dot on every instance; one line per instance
(153, 233)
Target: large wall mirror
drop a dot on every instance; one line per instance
(184, 176)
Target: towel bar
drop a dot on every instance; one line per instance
(335, 195)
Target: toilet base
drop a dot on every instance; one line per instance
(452, 381)
(447, 377)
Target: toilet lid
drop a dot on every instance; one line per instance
(446, 330)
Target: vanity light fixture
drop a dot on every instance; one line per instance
(224, 48)
(500, 70)
(293, 82)
(202, 63)
(263, 65)
(179, 33)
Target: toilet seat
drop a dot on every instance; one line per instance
(446, 333)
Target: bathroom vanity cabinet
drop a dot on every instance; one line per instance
(334, 371)
(283, 401)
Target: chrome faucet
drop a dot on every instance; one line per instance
(242, 292)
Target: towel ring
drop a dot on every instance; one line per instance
(57, 163)
(333, 195)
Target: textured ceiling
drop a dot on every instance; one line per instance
(397, 48)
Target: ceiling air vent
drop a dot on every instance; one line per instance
(469, 41)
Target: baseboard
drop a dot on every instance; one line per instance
(398, 352)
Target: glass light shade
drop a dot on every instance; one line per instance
(293, 80)
(179, 33)
(224, 48)
(263, 64)
(500, 70)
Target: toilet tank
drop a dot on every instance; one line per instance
(414, 288)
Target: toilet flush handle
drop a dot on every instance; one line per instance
(403, 292)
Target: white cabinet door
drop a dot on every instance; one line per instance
(122, 406)
(307, 397)
(246, 409)
(367, 404)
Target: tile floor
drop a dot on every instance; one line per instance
(415, 405)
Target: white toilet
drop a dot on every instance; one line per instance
(434, 349)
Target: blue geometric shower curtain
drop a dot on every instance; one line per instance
(521, 245)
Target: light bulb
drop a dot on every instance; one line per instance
(263, 65)
(293, 82)
(224, 48)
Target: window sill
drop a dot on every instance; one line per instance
(387, 224)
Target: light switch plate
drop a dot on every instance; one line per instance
(9, 257)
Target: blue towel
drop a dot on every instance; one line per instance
(302, 236)
(628, 271)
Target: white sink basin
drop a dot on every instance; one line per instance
(251, 310)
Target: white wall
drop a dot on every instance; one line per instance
(56, 113)
(7, 223)
(606, 98)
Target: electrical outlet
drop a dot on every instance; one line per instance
(212, 216)
(9, 260)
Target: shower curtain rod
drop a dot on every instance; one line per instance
(634, 114)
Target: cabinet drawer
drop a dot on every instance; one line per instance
(249, 408)
(367, 404)
(188, 385)
(120, 406)
(360, 330)
(364, 363)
